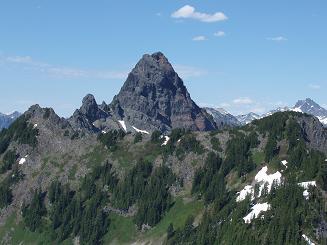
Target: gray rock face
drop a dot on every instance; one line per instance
(7, 119)
(316, 134)
(154, 97)
(222, 117)
(89, 112)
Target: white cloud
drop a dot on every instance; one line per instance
(20, 59)
(224, 105)
(219, 34)
(199, 38)
(314, 86)
(189, 12)
(243, 101)
(28, 63)
(277, 39)
(189, 71)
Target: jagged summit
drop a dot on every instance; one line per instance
(91, 109)
(311, 107)
(154, 97)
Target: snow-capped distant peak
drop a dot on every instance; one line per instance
(247, 118)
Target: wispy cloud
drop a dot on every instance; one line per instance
(219, 34)
(277, 39)
(189, 71)
(199, 38)
(28, 63)
(314, 86)
(243, 101)
(189, 12)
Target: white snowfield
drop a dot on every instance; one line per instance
(247, 190)
(122, 124)
(262, 178)
(267, 179)
(166, 140)
(140, 131)
(256, 210)
(307, 239)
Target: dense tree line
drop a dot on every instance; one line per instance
(209, 180)
(33, 213)
(9, 159)
(238, 153)
(21, 131)
(111, 138)
(6, 186)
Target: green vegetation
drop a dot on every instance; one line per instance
(20, 131)
(208, 180)
(138, 137)
(239, 155)
(5, 193)
(33, 212)
(111, 138)
(122, 230)
(8, 161)
(215, 144)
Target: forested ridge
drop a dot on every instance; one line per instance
(147, 190)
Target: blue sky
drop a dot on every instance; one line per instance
(241, 55)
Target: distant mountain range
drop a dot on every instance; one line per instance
(307, 106)
(7, 119)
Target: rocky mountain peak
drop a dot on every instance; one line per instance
(311, 107)
(88, 113)
(154, 97)
(90, 109)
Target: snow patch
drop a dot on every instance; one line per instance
(35, 125)
(297, 109)
(140, 131)
(166, 140)
(306, 194)
(323, 120)
(247, 190)
(307, 239)
(264, 178)
(306, 184)
(22, 160)
(104, 132)
(284, 162)
(256, 210)
(122, 124)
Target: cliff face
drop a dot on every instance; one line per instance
(154, 97)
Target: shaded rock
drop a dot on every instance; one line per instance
(154, 97)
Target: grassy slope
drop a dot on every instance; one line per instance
(123, 230)
(20, 235)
